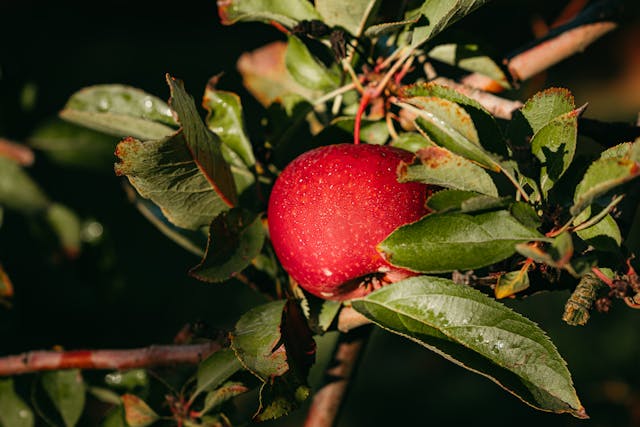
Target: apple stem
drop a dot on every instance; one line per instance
(364, 101)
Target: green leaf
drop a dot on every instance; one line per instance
(546, 105)
(526, 214)
(511, 283)
(447, 200)
(411, 141)
(69, 144)
(18, 191)
(194, 241)
(306, 69)
(439, 14)
(603, 235)
(286, 12)
(165, 172)
(554, 144)
(352, 15)
(235, 238)
(115, 418)
(479, 334)
(67, 227)
(225, 119)
(137, 412)
(602, 176)
(105, 395)
(450, 126)
(489, 134)
(439, 166)
(445, 242)
(128, 380)
(66, 389)
(328, 313)
(278, 398)
(257, 341)
(13, 411)
(217, 397)
(469, 57)
(215, 370)
(120, 111)
(204, 145)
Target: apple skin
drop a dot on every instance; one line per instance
(331, 206)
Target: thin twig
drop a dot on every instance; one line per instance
(152, 356)
(327, 402)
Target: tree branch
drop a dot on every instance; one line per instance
(152, 356)
(328, 401)
(548, 53)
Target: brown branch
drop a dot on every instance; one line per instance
(152, 356)
(328, 401)
(548, 53)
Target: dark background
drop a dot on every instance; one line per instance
(131, 288)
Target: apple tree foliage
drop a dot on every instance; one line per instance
(520, 208)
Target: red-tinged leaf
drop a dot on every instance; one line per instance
(137, 412)
(204, 145)
(264, 74)
(6, 287)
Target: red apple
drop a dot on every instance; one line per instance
(331, 206)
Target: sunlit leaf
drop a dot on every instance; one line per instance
(352, 15)
(204, 145)
(264, 74)
(469, 57)
(439, 14)
(478, 333)
(152, 167)
(554, 144)
(448, 125)
(603, 235)
(137, 412)
(67, 391)
(411, 141)
(121, 111)
(257, 341)
(235, 238)
(489, 134)
(602, 176)
(439, 166)
(446, 242)
(546, 105)
(14, 412)
(225, 119)
(307, 70)
(511, 283)
(287, 12)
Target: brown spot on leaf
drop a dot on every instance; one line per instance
(223, 5)
(434, 157)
